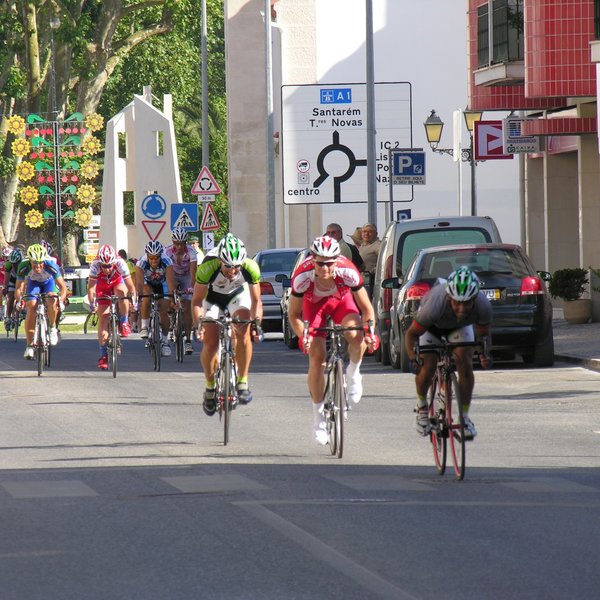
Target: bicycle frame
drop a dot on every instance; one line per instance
(114, 335)
(41, 332)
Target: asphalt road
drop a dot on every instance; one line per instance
(122, 488)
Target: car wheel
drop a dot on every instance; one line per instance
(393, 354)
(543, 353)
(385, 352)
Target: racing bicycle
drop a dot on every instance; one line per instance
(41, 332)
(336, 402)
(447, 426)
(114, 334)
(153, 343)
(176, 326)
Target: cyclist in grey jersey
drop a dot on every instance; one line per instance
(459, 311)
(229, 281)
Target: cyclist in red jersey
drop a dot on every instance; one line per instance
(327, 284)
(109, 276)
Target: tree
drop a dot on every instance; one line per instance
(94, 37)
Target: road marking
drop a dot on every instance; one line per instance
(380, 482)
(48, 489)
(213, 483)
(326, 554)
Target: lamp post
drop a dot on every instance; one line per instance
(55, 24)
(433, 130)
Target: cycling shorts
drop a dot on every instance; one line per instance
(316, 313)
(184, 283)
(104, 288)
(214, 309)
(158, 287)
(40, 287)
(464, 334)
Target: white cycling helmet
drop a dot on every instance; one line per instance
(154, 248)
(179, 234)
(462, 285)
(232, 252)
(325, 246)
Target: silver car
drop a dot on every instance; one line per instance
(275, 265)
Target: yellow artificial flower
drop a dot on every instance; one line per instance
(34, 219)
(91, 145)
(16, 124)
(94, 122)
(89, 169)
(21, 147)
(83, 217)
(29, 195)
(86, 193)
(25, 171)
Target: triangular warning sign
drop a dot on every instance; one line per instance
(205, 184)
(209, 219)
(184, 220)
(153, 228)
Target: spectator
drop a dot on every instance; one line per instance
(350, 252)
(356, 237)
(193, 241)
(369, 251)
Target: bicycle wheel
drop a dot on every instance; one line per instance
(38, 342)
(439, 434)
(329, 409)
(228, 392)
(16, 324)
(178, 327)
(113, 341)
(456, 426)
(156, 339)
(339, 407)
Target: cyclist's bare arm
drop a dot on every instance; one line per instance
(411, 339)
(200, 291)
(295, 315)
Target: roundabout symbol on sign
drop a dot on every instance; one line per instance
(154, 206)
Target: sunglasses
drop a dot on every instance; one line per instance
(232, 267)
(325, 263)
(105, 266)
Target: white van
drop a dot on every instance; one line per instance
(399, 244)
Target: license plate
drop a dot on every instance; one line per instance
(492, 294)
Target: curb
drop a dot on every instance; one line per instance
(593, 364)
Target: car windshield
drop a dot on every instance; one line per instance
(277, 262)
(480, 260)
(411, 242)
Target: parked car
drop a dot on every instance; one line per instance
(275, 265)
(399, 244)
(522, 310)
(289, 337)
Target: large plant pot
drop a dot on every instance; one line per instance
(577, 312)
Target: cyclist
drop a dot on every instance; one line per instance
(185, 261)
(4, 267)
(43, 276)
(450, 309)
(327, 284)
(109, 276)
(229, 281)
(154, 275)
(10, 280)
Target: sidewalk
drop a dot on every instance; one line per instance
(579, 344)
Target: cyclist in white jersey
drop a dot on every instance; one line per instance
(185, 260)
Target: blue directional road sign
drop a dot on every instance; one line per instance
(408, 167)
(154, 206)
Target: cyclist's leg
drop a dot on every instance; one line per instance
(145, 309)
(103, 310)
(31, 289)
(316, 384)
(185, 284)
(463, 358)
(209, 357)
(423, 380)
(239, 307)
(120, 289)
(348, 315)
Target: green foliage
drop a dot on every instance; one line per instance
(568, 284)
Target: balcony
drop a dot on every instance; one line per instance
(505, 73)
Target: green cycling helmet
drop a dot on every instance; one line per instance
(37, 253)
(463, 285)
(232, 252)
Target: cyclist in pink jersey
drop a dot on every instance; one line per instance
(185, 260)
(327, 284)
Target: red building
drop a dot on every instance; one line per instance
(538, 58)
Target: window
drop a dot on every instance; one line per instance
(128, 209)
(122, 144)
(500, 32)
(597, 19)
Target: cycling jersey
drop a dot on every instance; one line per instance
(113, 276)
(155, 275)
(181, 263)
(345, 276)
(436, 315)
(50, 270)
(222, 290)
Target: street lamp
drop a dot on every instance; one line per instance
(433, 130)
(55, 24)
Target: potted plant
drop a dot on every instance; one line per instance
(569, 286)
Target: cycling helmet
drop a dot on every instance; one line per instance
(326, 247)
(46, 245)
(154, 248)
(37, 253)
(179, 234)
(106, 255)
(6, 252)
(231, 251)
(16, 256)
(462, 284)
